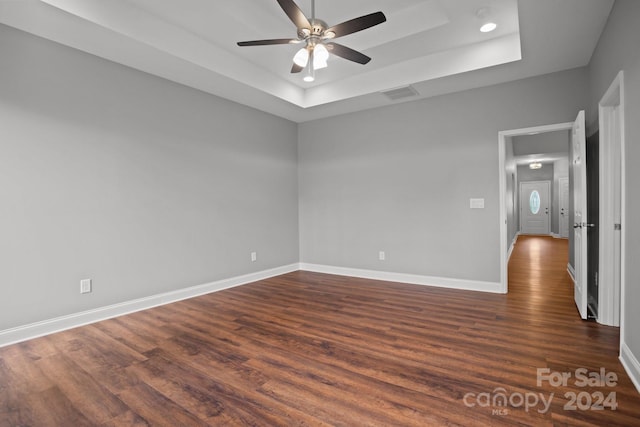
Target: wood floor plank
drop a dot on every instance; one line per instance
(51, 408)
(157, 409)
(76, 384)
(313, 349)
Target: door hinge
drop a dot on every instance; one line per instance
(617, 227)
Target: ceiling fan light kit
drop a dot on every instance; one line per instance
(317, 37)
(302, 57)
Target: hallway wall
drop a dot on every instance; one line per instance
(398, 179)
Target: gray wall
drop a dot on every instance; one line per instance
(399, 178)
(618, 50)
(143, 185)
(546, 142)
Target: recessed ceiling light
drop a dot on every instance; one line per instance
(486, 23)
(488, 27)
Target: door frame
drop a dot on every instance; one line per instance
(502, 143)
(610, 308)
(560, 220)
(549, 201)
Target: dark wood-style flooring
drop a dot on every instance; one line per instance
(315, 349)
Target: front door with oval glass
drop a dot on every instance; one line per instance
(535, 207)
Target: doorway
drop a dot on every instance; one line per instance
(534, 207)
(507, 231)
(611, 240)
(593, 213)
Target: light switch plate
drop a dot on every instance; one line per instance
(85, 286)
(476, 203)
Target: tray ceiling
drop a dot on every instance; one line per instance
(433, 45)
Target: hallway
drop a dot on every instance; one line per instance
(538, 274)
(541, 294)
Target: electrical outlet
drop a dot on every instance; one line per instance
(382, 256)
(254, 256)
(85, 286)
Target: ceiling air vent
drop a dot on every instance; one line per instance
(400, 93)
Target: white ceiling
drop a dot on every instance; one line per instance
(433, 45)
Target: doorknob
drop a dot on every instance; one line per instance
(583, 225)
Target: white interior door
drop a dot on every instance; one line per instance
(563, 196)
(534, 207)
(581, 224)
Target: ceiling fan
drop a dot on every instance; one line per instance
(317, 35)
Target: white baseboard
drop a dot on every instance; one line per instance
(513, 245)
(631, 364)
(38, 329)
(572, 273)
(441, 282)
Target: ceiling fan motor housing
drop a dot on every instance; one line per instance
(318, 27)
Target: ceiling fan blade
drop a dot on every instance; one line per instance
(268, 42)
(348, 53)
(357, 24)
(296, 68)
(294, 13)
